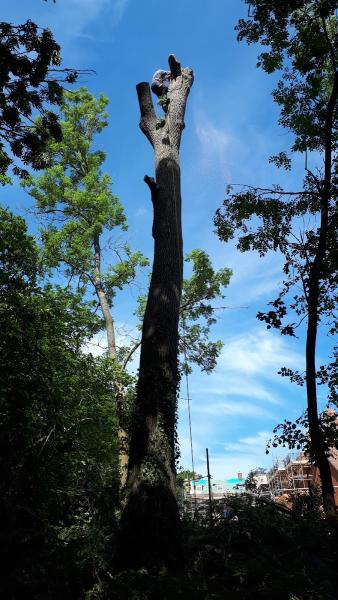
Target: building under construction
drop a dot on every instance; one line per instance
(297, 474)
(292, 474)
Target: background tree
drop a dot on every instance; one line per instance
(150, 533)
(59, 461)
(30, 82)
(198, 313)
(79, 210)
(250, 483)
(187, 475)
(302, 41)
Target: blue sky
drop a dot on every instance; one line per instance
(231, 130)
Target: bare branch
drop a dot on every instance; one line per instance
(151, 183)
(131, 352)
(275, 191)
(148, 116)
(175, 66)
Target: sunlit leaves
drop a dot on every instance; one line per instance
(198, 312)
(75, 199)
(299, 46)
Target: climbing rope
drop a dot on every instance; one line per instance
(190, 427)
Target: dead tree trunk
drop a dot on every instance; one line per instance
(150, 526)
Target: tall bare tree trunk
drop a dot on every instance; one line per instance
(150, 526)
(110, 330)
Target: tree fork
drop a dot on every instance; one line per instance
(150, 524)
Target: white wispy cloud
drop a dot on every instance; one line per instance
(238, 386)
(249, 444)
(245, 391)
(119, 8)
(259, 352)
(80, 13)
(253, 277)
(248, 368)
(73, 19)
(141, 211)
(243, 455)
(214, 146)
(224, 466)
(220, 409)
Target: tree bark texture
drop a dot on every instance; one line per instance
(110, 330)
(315, 276)
(150, 525)
(104, 305)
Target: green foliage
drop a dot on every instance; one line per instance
(300, 36)
(259, 551)
(186, 475)
(250, 482)
(28, 56)
(299, 40)
(75, 200)
(197, 312)
(123, 272)
(295, 434)
(264, 552)
(57, 432)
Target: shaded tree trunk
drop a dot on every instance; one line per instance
(150, 525)
(315, 276)
(316, 435)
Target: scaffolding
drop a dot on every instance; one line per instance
(293, 474)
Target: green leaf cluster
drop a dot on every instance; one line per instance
(198, 312)
(301, 40)
(73, 197)
(30, 59)
(58, 432)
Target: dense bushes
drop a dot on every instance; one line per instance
(57, 433)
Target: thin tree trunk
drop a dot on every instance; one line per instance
(316, 435)
(101, 294)
(110, 330)
(315, 275)
(150, 526)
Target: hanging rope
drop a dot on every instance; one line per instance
(190, 427)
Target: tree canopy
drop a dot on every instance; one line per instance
(301, 38)
(31, 79)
